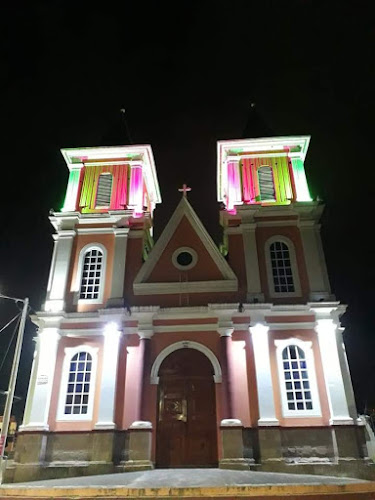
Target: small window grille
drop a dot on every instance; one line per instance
(91, 274)
(77, 394)
(296, 379)
(266, 184)
(103, 194)
(281, 268)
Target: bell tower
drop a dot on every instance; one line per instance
(265, 197)
(111, 191)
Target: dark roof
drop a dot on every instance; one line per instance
(117, 133)
(255, 125)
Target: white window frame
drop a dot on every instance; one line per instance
(97, 187)
(294, 266)
(84, 250)
(306, 346)
(274, 200)
(69, 353)
(189, 250)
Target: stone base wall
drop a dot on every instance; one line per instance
(67, 454)
(338, 451)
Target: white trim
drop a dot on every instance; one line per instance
(69, 352)
(78, 278)
(306, 346)
(185, 344)
(292, 325)
(96, 230)
(185, 287)
(293, 261)
(188, 250)
(184, 209)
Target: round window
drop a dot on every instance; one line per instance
(184, 258)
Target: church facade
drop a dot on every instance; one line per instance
(180, 353)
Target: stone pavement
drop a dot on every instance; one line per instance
(182, 478)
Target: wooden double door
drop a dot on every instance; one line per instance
(186, 431)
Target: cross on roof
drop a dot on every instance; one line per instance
(184, 189)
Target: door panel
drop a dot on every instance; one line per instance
(186, 433)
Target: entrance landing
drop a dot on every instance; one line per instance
(194, 484)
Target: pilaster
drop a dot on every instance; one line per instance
(267, 413)
(314, 259)
(333, 376)
(119, 263)
(36, 417)
(254, 288)
(59, 270)
(108, 380)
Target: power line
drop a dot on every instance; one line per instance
(11, 321)
(11, 340)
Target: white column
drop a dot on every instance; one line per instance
(315, 262)
(40, 389)
(254, 288)
(346, 374)
(108, 380)
(118, 275)
(267, 414)
(59, 270)
(70, 204)
(338, 404)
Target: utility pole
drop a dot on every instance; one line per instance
(13, 378)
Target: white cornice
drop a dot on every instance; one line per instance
(185, 287)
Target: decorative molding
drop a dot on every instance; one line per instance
(292, 326)
(185, 344)
(185, 287)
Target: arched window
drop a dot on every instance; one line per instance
(296, 378)
(266, 184)
(282, 274)
(298, 386)
(104, 190)
(92, 273)
(79, 380)
(77, 386)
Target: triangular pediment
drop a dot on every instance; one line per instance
(184, 259)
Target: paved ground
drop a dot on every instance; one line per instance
(182, 478)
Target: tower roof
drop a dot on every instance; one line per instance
(255, 125)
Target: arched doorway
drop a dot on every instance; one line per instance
(186, 430)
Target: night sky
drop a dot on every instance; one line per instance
(186, 73)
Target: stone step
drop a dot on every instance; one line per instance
(355, 491)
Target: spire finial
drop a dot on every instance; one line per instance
(184, 190)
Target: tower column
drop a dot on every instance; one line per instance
(327, 330)
(225, 346)
(106, 413)
(315, 262)
(59, 270)
(146, 342)
(70, 204)
(267, 413)
(254, 288)
(118, 276)
(300, 182)
(40, 389)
